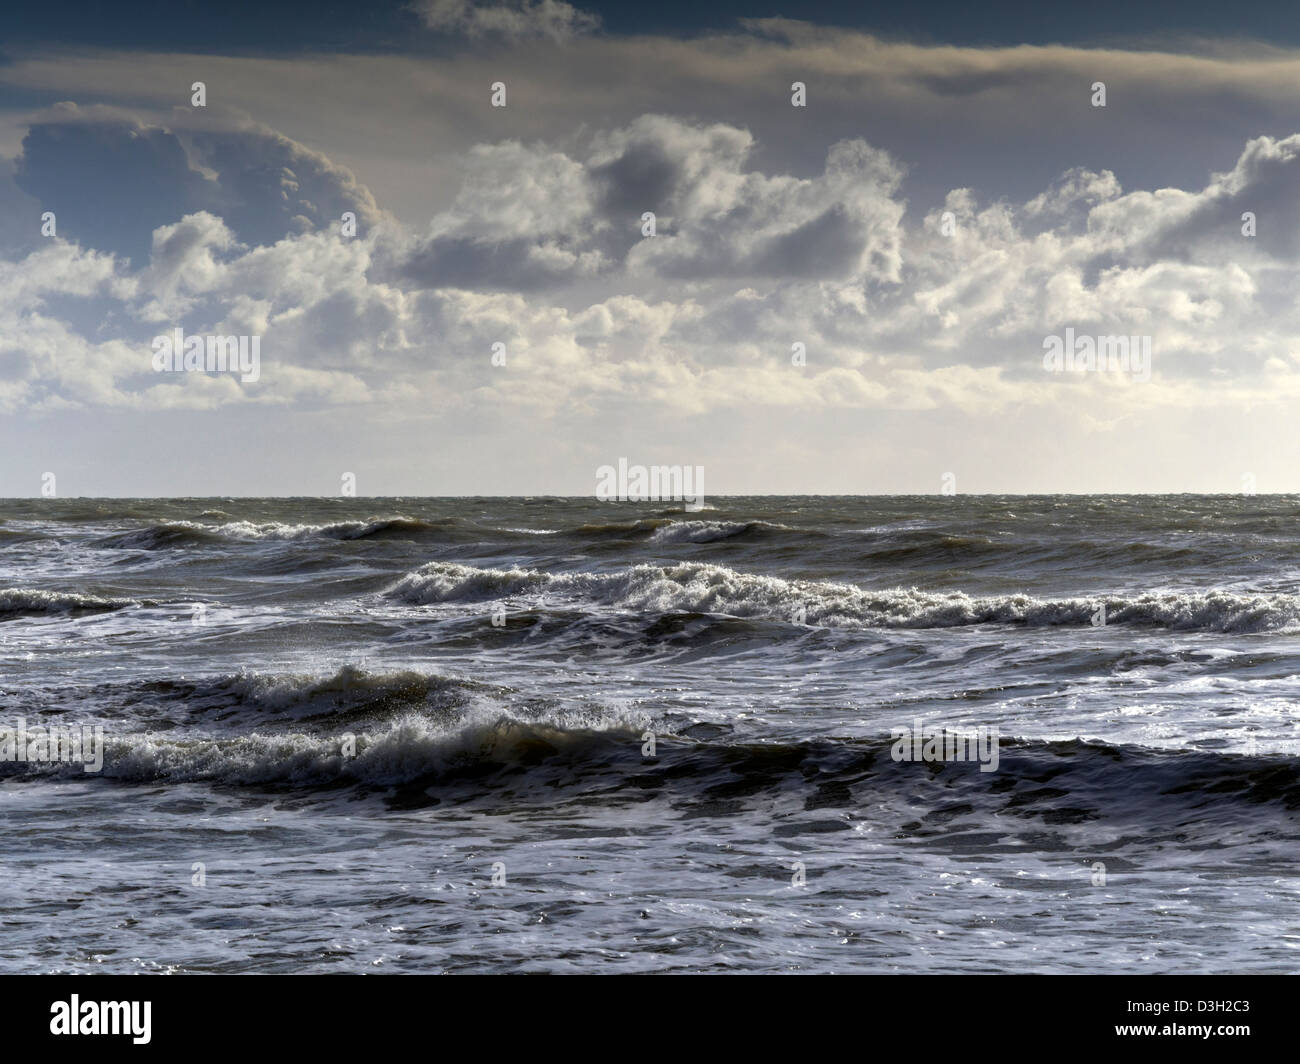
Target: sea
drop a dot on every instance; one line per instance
(483, 735)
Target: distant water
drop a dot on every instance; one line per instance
(498, 664)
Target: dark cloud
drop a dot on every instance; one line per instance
(111, 181)
(22, 229)
(268, 186)
(716, 218)
(491, 265)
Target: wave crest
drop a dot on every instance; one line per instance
(704, 588)
(711, 531)
(28, 602)
(190, 533)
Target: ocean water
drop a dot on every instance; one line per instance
(561, 735)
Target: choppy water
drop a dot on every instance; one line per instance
(500, 661)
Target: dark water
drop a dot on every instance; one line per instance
(411, 734)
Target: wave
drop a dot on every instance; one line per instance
(622, 529)
(452, 582)
(25, 602)
(495, 756)
(528, 531)
(664, 530)
(350, 693)
(410, 749)
(704, 588)
(160, 537)
(16, 535)
(926, 547)
(935, 547)
(189, 533)
(355, 726)
(375, 526)
(712, 531)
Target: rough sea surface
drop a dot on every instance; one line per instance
(498, 664)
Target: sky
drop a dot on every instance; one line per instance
(852, 295)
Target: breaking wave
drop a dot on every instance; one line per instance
(189, 533)
(490, 754)
(711, 531)
(705, 588)
(24, 602)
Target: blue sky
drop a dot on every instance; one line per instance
(948, 201)
(340, 25)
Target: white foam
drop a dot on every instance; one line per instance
(31, 600)
(700, 587)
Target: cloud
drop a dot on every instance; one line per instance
(540, 249)
(1005, 121)
(826, 226)
(109, 181)
(532, 217)
(20, 213)
(519, 19)
(112, 180)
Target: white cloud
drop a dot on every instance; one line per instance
(775, 225)
(515, 19)
(905, 319)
